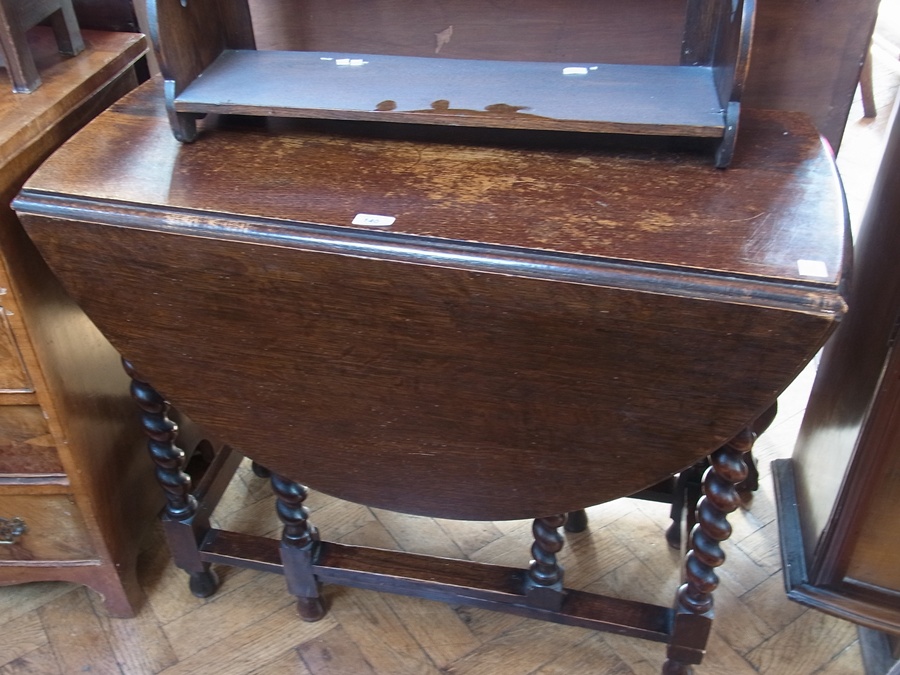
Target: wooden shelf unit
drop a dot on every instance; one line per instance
(210, 64)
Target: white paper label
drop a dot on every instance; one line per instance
(372, 220)
(812, 268)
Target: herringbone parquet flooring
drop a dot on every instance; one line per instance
(250, 627)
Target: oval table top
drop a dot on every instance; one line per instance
(445, 323)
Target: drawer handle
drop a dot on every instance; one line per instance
(11, 529)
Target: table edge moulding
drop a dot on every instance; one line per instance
(526, 331)
(206, 52)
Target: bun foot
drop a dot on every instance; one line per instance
(576, 521)
(260, 471)
(310, 609)
(676, 668)
(673, 536)
(204, 584)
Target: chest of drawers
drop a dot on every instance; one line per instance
(70, 478)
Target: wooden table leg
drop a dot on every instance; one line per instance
(180, 519)
(544, 582)
(694, 600)
(299, 544)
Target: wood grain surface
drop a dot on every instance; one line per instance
(540, 330)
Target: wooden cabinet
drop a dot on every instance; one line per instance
(839, 495)
(72, 468)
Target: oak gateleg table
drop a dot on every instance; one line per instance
(515, 327)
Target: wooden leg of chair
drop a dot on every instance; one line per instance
(694, 600)
(65, 29)
(19, 61)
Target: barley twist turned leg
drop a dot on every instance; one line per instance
(299, 544)
(543, 585)
(694, 600)
(180, 516)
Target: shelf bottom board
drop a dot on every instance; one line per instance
(660, 100)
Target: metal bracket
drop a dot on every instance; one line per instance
(11, 529)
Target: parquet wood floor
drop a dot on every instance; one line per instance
(250, 626)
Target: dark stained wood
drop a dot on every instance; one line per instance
(526, 30)
(69, 466)
(195, 35)
(807, 56)
(299, 543)
(698, 97)
(694, 600)
(540, 329)
(845, 465)
(108, 15)
(329, 341)
(537, 593)
(482, 585)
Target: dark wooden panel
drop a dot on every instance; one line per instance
(874, 560)
(609, 32)
(807, 56)
(478, 388)
(849, 380)
(116, 15)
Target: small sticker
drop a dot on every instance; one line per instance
(372, 220)
(812, 268)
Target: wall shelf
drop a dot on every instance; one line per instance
(208, 58)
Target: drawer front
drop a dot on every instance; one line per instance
(13, 376)
(26, 446)
(53, 530)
